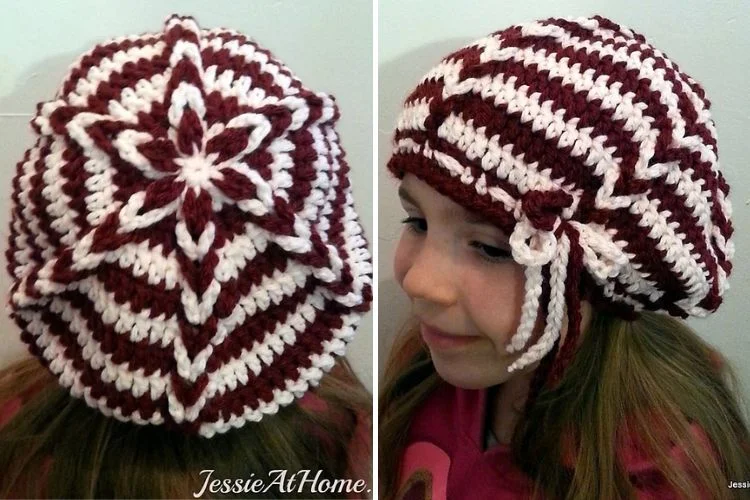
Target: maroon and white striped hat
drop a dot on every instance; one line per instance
(183, 244)
(595, 153)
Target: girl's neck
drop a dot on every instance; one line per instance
(505, 405)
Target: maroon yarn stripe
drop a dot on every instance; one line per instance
(254, 328)
(646, 51)
(303, 173)
(428, 89)
(589, 115)
(74, 177)
(98, 54)
(441, 180)
(274, 376)
(142, 354)
(17, 216)
(617, 72)
(91, 377)
(475, 166)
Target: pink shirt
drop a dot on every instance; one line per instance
(445, 457)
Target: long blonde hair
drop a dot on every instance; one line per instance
(97, 456)
(651, 377)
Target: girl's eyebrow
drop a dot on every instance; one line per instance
(406, 196)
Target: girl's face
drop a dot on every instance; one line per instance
(465, 288)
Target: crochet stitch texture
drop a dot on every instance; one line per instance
(184, 245)
(594, 153)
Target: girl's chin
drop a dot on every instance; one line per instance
(470, 377)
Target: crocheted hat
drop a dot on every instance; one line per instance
(594, 153)
(183, 243)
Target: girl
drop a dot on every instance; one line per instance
(187, 264)
(563, 204)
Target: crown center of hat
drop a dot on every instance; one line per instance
(197, 171)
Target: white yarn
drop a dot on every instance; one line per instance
(555, 311)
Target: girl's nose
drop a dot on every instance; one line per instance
(431, 277)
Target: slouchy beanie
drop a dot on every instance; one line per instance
(184, 247)
(595, 153)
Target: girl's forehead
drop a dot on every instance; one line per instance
(417, 192)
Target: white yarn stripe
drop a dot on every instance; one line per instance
(250, 54)
(256, 360)
(667, 97)
(555, 313)
(605, 259)
(326, 183)
(100, 203)
(69, 377)
(25, 207)
(102, 72)
(409, 146)
(414, 114)
(281, 165)
(62, 215)
(308, 377)
(259, 298)
(475, 144)
(529, 310)
(446, 70)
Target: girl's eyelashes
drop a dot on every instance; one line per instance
(491, 253)
(416, 224)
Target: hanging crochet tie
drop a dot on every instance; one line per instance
(539, 239)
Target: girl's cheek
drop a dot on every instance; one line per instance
(495, 299)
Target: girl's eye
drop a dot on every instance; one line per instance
(490, 253)
(416, 224)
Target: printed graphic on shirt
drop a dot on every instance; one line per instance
(425, 468)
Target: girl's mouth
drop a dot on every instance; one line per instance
(437, 339)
